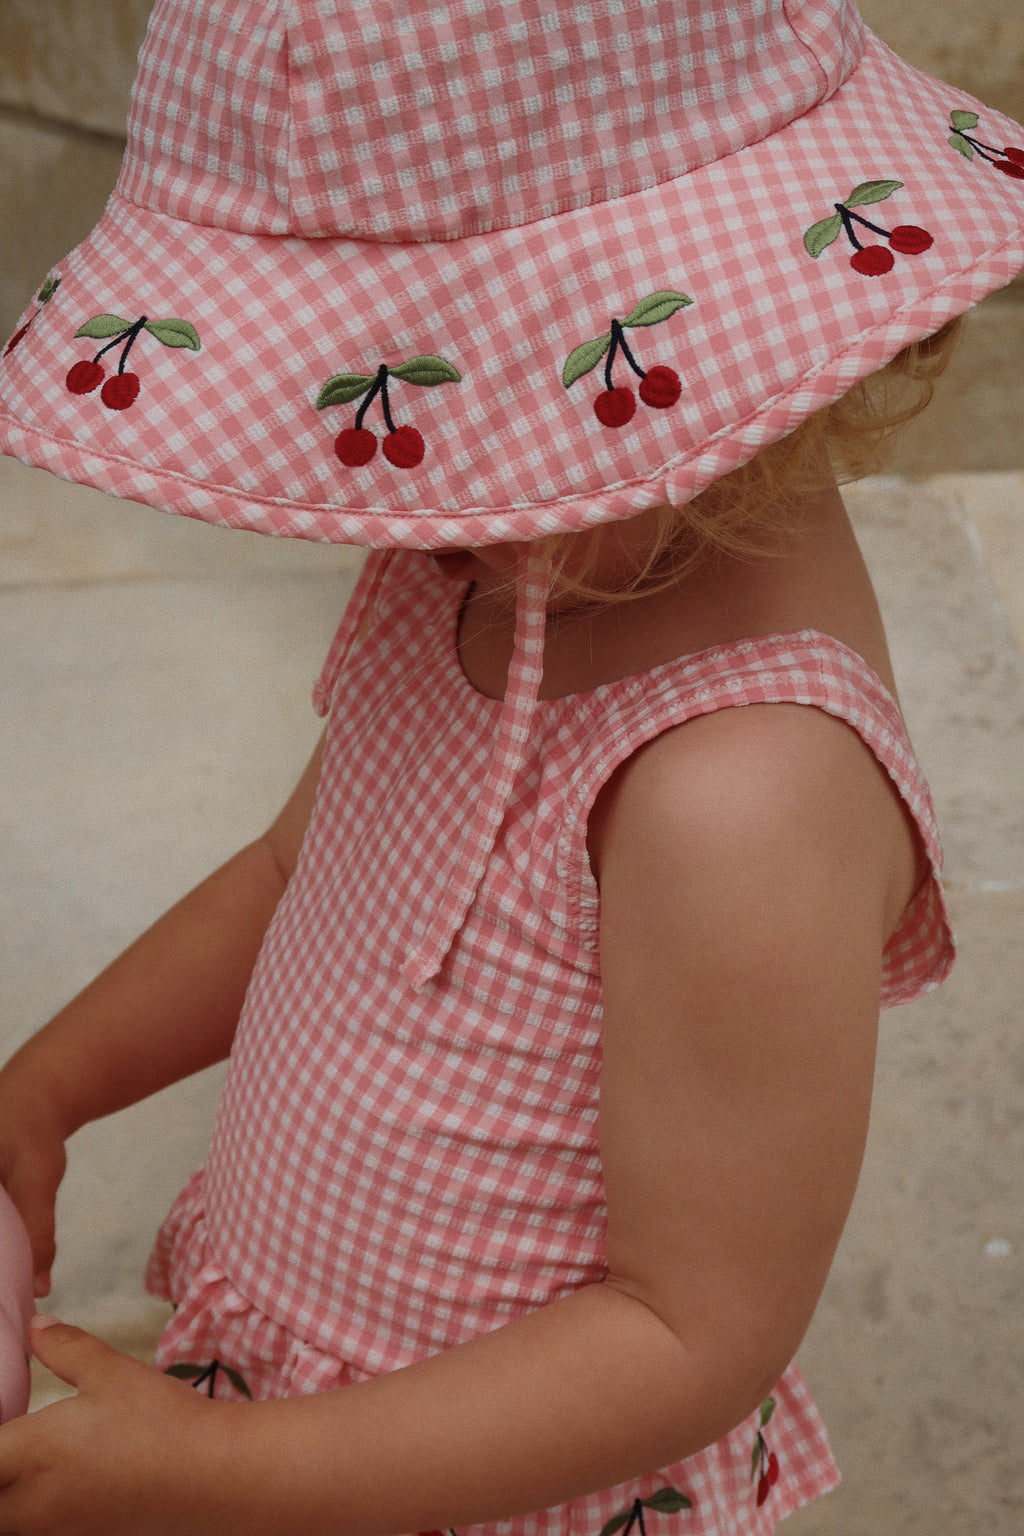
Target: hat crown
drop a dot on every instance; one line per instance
(395, 120)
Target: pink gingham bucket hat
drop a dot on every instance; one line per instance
(428, 273)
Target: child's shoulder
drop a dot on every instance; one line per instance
(743, 799)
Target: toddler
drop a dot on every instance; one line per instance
(551, 994)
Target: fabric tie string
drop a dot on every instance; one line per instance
(525, 671)
(356, 620)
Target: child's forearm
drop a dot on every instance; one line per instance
(166, 1008)
(580, 1395)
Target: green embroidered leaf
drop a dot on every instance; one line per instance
(657, 307)
(964, 119)
(427, 371)
(820, 236)
(667, 1501)
(174, 333)
(872, 192)
(236, 1381)
(185, 1372)
(103, 326)
(616, 1522)
(767, 1409)
(959, 142)
(343, 388)
(583, 358)
(48, 290)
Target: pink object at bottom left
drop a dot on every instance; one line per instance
(16, 1307)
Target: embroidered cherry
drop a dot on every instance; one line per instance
(355, 446)
(910, 239)
(872, 260)
(764, 1465)
(403, 446)
(1009, 160)
(44, 296)
(660, 387)
(615, 406)
(16, 338)
(122, 390)
(84, 377)
(869, 260)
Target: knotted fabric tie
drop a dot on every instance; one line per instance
(514, 731)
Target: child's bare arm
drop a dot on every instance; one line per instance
(164, 1009)
(750, 867)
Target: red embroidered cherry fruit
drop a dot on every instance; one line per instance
(84, 377)
(614, 407)
(355, 446)
(1012, 167)
(660, 387)
(872, 260)
(404, 447)
(773, 1469)
(910, 239)
(1014, 154)
(121, 391)
(18, 335)
(764, 1488)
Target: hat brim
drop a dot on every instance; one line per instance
(231, 432)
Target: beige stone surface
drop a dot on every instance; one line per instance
(979, 47)
(72, 60)
(53, 188)
(915, 1352)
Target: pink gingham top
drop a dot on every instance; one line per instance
(396, 1170)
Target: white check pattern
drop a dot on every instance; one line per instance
(394, 1171)
(322, 189)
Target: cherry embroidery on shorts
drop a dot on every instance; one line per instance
(660, 387)
(1010, 160)
(206, 1376)
(44, 296)
(764, 1464)
(868, 260)
(122, 389)
(404, 446)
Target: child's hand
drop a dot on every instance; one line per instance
(131, 1453)
(32, 1163)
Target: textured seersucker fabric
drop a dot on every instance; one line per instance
(394, 1171)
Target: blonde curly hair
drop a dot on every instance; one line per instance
(744, 513)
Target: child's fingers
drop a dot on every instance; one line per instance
(34, 1193)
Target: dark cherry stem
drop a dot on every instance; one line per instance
(378, 387)
(130, 337)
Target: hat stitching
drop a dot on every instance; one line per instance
(919, 303)
(1010, 160)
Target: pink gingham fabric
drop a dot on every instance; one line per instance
(322, 189)
(395, 1170)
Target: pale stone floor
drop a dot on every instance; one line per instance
(155, 678)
